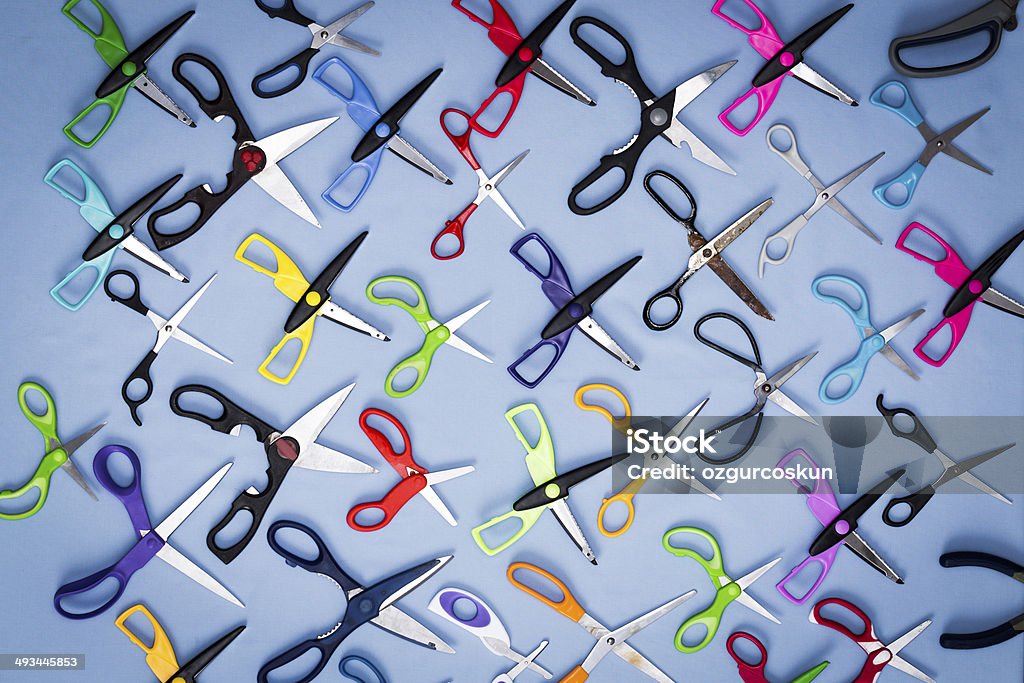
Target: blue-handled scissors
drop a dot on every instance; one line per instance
(934, 144)
(381, 131)
(872, 341)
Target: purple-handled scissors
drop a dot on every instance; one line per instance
(152, 540)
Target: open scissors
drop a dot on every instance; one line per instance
(160, 653)
(872, 341)
(756, 672)
(152, 541)
(996, 634)
(705, 253)
(166, 330)
(127, 70)
(824, 196)
(330, 34)
(511, 674)
(57, 454)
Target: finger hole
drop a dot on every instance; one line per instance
(664, 187)
(603, 42)
(71, 182)
(140, 626)
(742, 13)
(299, 669)
(897, 193)
(495, 112)
(949, 52)
(541, 585)
(235, 531)
(776, 248)
(75, 290)
(940, 344)
(781, 139)
(36, 402)
(465, 610)
(496, 535)
(92, 599)
(369, 518)
(838, 387)
(664, 310)
(348, 187)
(89, 15)
(277, 81)
(201, 78)
(695, 635)
(537, 257)
(844, 617)
(260, 254)
(121, 470)
(899, 513)
(455, 122)
(389, 430)
(21, 504)
(747, 650)
(446, 246)
(893, 96)
(176, 221)
(286, 358)
(336, 77)
(91, 125)
(297, 543)
(405, 379)
(801, 584)
(535, 366)
(138, 389)
(601, 189)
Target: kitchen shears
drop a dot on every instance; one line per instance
(824, 196)
(160, 654)
(312, 300)
(152, 542)
(295, 446)
(256, 160)
(757, 672)
(115, 232)
(872, 341)
(127, 70)
(727, 589)
(366, 604)
(436, 334)
(166, 329)
(381, 131)
(705, 253)
(57, 454)
(415, 479)
(784, 59)
(574, 310)
(330, 34)
(970, 287)
(996, 634)
(934, 144)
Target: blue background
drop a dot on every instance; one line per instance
(50, 70)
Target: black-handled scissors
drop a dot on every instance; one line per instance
(996, 634)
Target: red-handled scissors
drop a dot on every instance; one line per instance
(755, 673)
(415, 479)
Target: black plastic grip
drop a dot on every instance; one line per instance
(774, 67)
(221, 105)
(133, 300)
(231, 417)
(287, 11)
(582, 304)
(140, 373)
(626, 72)
(981, 279)
(373, 139)
(974, 558)
(324, 563)
(918, 434)
(299, 61)
(195, 666)
(515, 64)
(538, 496)
(303, 309)
(915, 502)
(105, 241)
(136, 60)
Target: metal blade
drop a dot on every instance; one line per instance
(683, 423)
(688, 91)
(320, 458)
(596, 334)
(308, 427)
(677, 134)
(503, 650)
(726, 274)
(841, 209)
(139, 250)
(441, 476)
(951, 133)
(394, 620)
(964, 466)
(504, 206)
(152, 92)
(75, 443)
(185, 338)
(430, 495)
(166, 332)
(901, 643)
(889, 353)
(337, 314)
(165, 528)
(500, 176)
(624, 650)
(328, 34)
(826, 195)
(969, 478)
(729, 235)
(549, 75)
(281, 144)
(415, 583)
(398, 145)
(746, 580)
(173, 557)
(783, 376)
(810, 77)
(856, 543)
(997, 299)
(604, 646)
(76, 475)
(461, 319)
(69, 464)
(889, 333)
(790, 406)
(274, 182)
(459, 343)
(560, 509)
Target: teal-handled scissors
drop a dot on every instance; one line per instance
(436, 333)
(57, 454)
(872, 341)
(728, 589)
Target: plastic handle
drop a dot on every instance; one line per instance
(455, 228)
(750, 672)
(792, 53)
(109, 43)
(360, 105)
(908, 179)
(621, 423)
(860, 314)
(399, 459)
(368, 166)
(389, 505)
(322, 563)
(484, 623)
(387, 126)
(221, 105)
(526, 520)
(160, 655)
(625, 496)
(567, 605)
(853, 370)
(824, 561)
(763, 39)
(345, 667)
(304, 335)
(625, 71)
(558, 488)
(141, 374)
(144, 550)
(712, 565)
(420, 311)
(950, 268)
(514, 89)
(418, 362)
(906, 109)
(529, 50)
(300, 62)
(113, 102)
(555, 281)
(559, 344)
(710, 619)
(540, 453)
(461, 140)
(231, 417)
(917, 434)
(97, 269)
(500, 29)
(865, 635)
(92, 205)
(286, 10)
(582, 304)
(40, 481)
(287, 277)
(765, 97)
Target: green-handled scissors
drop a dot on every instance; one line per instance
(57, 454)
(728, 590)
(436, 333)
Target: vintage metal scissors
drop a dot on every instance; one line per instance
(256, 160)
(705, 253)
(295, 446)
(127, 70)
(756, 672)
(568, 606)
(381, 131)
(330, 34)
(872, 341)
(115, 232)
(784, 59)
(879, 654)
(57, 454)
(347, 663)
(487, 188)
(825, 196)
(312, 300)
(366, 604)
(727, 590)
(166, 330)
(934, 144)
(996, 634)
(970, 287)
(152, 541)
(160, 653)
(436, 334)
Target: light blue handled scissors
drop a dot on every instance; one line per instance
(872, 342)
(934, 143)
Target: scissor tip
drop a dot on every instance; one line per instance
(855, 103)
(899, 581)
(636, 367)
(184, 278)
(191, 124)
(448, 181)
(592, 103)
(386, 338)
(593, 561)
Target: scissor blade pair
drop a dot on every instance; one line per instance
(320, 458)
(73, 472)
(718, 243)
(394, 620)
(165, 528)
(781, 377)
(955, 152)
(685, 421)
(305, 430)
(139, 250)
(841, 209)
(457, 322)
(596, 334)
(69, 464)
(624, 650)
(549, 75)
(606, 644)
(889, 333)
(560, 509)
(494, 194)
(173, 557)
(900, 643)
(961, 470)
(828, 194)
(332, 32)
(677, 133)
(401, 147)
(889, 353)
(734, 282)
(997, 299)
(166, 332)
(402, 591)
(335, 313)
(154, 94)
(524, 663)
(809, 76)
(744, 582)
(861, 549)
(431, 496)
(273, 179)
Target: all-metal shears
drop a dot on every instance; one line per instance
(756, 672)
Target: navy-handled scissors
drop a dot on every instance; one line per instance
(349, 667)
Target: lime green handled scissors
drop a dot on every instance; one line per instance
(436, 333)
(57, 454)
(728, 590)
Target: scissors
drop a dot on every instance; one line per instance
(872, 341)
(519, 668)
(825, 196)
(705, 253)
(373, 604)
(970, 287)
(727, 590)
(381, 131)
(784, 59)
(487, 188)
(252, 159)
(436, 334)
(127, 70)
(166, 329)
(295, 446)
(160, 655)
(879, 654)
(152, 540)
(415, 478)
(951, 469)
(658, 117)
(57, 454)
(345, 667)
(934, 144)
(115, 233)
(996, 634)
(568, 606)
(756, 672)
(322, 35)
(311, 300)
(485, 625)
(765, 388)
